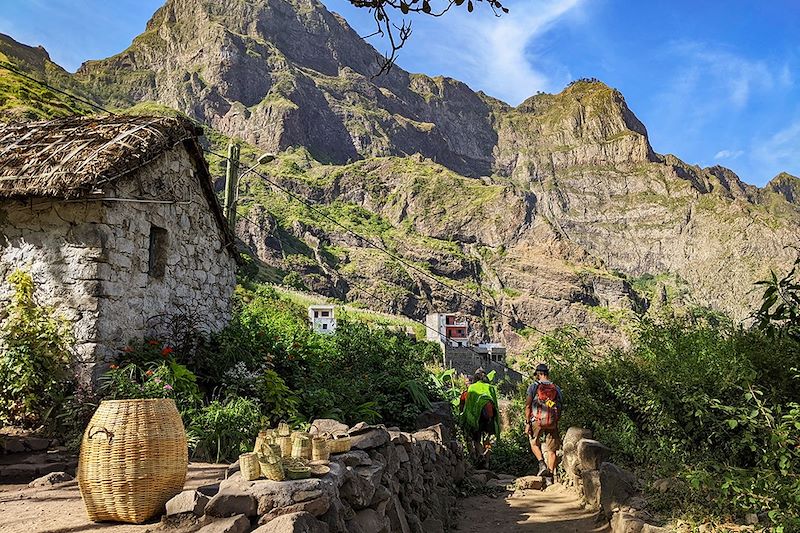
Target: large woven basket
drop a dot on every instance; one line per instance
(249, 466)
(340, 445)
(133, 459)
(319, 449)
(301, 446)
(285, 442)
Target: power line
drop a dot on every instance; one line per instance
(55, 89)
(382, 248)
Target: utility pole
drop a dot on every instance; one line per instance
(231, 184)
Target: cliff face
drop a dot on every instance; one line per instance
(557, 211)
(280, 73)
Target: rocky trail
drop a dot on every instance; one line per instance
(59, 509)
(555, 510)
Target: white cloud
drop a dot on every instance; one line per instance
(779, 152)
(728, 154)
(497, 54)
(732, 79)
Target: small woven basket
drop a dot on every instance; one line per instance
(272, 468)
(340, 445)
(264, 437)
(301, 446)
(320, 450)
(283, 430)
(133, 459)
(285, 444)
(249, 466)
(298, 472)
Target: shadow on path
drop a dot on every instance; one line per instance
(555, 510)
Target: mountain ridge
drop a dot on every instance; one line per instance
(557, 211)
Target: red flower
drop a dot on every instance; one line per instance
(152, 342)
(113, 367)
(127, 349)
(148, 373)
(166, 351)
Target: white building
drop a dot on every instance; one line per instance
(450, 329)
(322, 318)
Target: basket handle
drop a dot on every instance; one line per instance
(109, 434)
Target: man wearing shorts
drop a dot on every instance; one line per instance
(542, 411)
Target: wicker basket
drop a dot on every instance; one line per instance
(340, 445)
(133, 459)
(319, 449)
(264, 437)
(298, 472)
(249, 466)
(283, 430)
(272, 467)
(285, 444)
(301, 446)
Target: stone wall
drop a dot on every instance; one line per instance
(90, 258)
(613, 492)
(390, 481)
(466, 361)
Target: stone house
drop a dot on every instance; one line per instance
(116, 219)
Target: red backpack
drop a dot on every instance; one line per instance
(547, 411)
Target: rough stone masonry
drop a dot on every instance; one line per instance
(111, 266)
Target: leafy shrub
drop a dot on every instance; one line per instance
(35, 348)
(512, 454)
(275, 399)
(168, 379)
(222, 430)
(703, 402)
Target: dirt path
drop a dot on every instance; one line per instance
(61, 510)
(556, 510)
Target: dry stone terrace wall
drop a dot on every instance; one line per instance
(389, 481)
(91, 259)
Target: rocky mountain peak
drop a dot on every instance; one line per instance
(787, 186)
(33, 57)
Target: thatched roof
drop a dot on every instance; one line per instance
(72, 157)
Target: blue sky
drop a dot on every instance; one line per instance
(715, 82)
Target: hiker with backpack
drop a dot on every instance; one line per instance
(479, 416)
(543, 408)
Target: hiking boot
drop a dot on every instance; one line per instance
(543, 470)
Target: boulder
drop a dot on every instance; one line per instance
(591, 488)
(353, 458)
(301, 522)
(359, 489)
(591, 454)
(36, 444)
(233, 524)
(232, 469)
(276, 494)
(435, 434)
(616, 486)
(48, 480)
(188, 501)
(573, 435)
(623, 522)
(399, 437)
(372, 438)
(328, 426)
(369, 521)
(231, 501)
(316, 507)
(398, 522)
(530, 482)
(432, 525)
